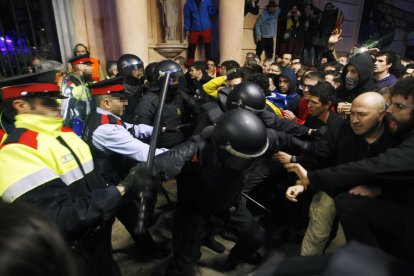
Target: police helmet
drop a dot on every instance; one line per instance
(149, 71)
(247, 95)
(162, 68)
(240, 133)
(127, 63)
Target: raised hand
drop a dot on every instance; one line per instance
(335, 36)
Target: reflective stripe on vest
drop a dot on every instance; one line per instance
(28, 183)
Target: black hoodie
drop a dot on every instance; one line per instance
(365, 67)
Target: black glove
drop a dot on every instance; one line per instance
(139, 177)
(169, 163)
(145, 184)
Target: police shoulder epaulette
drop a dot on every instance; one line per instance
(22, 136)
(66, 129)
(109, 119)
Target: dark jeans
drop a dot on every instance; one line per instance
(265, 44)
(193, 227)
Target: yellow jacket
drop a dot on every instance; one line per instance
(211, 87)
(37, 156)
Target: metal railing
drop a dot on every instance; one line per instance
(27, 29)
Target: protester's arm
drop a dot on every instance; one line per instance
(211, 87)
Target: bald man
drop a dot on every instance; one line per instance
(364, 135)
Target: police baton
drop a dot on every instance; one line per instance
(147, 194)
(255, 202)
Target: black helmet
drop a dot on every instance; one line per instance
(127, 63)
(149, 71)
(247, 95)
(240, 133)
(162, 68)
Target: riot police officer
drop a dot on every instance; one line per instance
(173, 113)
(132, 68)
(209, 189)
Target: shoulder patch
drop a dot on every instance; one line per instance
(22, 136)
(108, 119)
(66, 129)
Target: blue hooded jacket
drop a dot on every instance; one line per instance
(291, 99)
(197, 18)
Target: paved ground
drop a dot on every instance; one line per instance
(210, 262)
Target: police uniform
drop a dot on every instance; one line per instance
(173, 111)
(48, 166)
(116, 148)
(78, 104)
(126, 64)
(209, 188)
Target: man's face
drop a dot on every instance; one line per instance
(400, 114)
(331, 80)
(113, 71)
(210, 65)
(194, 73)
(80, 50)
(286, 59)
(295, 67)
(117, 104)
(316, 108)
(381, 65)
(275, 69)
(284, 83)
(266, 67)
(352, 72)
(364, 120)
(307, 83)
(43, 106)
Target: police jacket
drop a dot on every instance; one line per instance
(115, 145)
(172, 116)
(134, 92)
(51, 168)
(205, 185)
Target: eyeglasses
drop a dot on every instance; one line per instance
(398, 107)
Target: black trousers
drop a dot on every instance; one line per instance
(265, 44)
(191, 229)
(95, 258)
(376, 222)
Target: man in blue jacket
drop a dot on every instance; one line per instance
(265, 29)
(197, 24)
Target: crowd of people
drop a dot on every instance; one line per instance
(261, 152)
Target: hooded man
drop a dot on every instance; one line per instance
(357, 78)
(287, 96)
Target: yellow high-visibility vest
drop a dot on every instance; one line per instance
(36, 156)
